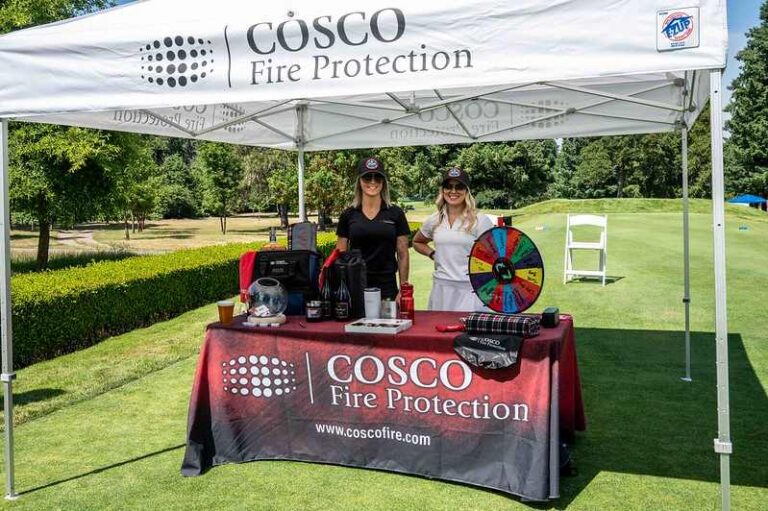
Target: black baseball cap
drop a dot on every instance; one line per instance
(457, 174)
(370, 165)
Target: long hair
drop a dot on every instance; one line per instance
(358, 199)
(468, 217)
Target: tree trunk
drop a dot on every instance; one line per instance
(283, 209)
(620, 186)
(127, 228)
(321, 219)
(43, 242)
(224, 223)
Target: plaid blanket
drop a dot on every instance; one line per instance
(518, 324)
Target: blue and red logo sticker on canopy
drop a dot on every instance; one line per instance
(677, 29)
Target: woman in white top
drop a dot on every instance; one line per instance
(453, 228)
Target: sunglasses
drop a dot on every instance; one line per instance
(458, 187)
(372, 176)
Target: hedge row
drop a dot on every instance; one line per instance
(61, 311)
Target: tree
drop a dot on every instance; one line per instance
(700, 157)
(508, 174)
(327, 188)
(58, 175)
(566, 163)
(177, 194)
(747, 150)
(283, 185)
(594, 175)
(55, 173)
(220, 173)
(258, 164)
(18, 14)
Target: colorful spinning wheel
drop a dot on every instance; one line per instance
(506, 270)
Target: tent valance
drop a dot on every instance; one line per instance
(382, 74)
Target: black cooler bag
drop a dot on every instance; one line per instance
(296, 270)
(351, 264)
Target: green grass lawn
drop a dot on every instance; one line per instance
(104, 428)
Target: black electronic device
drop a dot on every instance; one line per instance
(550, 317)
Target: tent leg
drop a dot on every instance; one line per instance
(723, 445)
(300, 142)
(7, 375)
(686, 258)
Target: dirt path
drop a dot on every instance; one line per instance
(81, 239)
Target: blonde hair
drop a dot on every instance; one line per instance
(357, 201)
(468, 217)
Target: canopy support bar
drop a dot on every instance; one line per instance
(243, 117)
(620, 97)
(300, 142)
(686, 258)
(169, 122)
(455, 117)
(8, 375)
(398, 101)
(723, 440)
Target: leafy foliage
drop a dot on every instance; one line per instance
(747, 152)
(18, 14)
(220, 174)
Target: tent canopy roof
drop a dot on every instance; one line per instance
(292, 74)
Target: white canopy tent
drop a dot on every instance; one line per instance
(299, 76)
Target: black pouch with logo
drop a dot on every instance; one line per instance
(296, 270)
(352, 265)
(488, 351)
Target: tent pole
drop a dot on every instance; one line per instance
(300, 143)
(686, 257)
(7, 375)
(723, 445)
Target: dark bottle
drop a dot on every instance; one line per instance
(326, 297)
(343, 300)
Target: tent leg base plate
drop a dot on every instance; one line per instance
(12, 496)
(686, 379)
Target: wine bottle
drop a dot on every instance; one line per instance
(326, 297)
(343, 299)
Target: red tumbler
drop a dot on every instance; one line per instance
(406, 301)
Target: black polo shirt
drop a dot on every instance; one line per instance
(376, 239)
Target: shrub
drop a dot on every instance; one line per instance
(61, 311)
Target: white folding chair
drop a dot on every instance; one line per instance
(571, 245)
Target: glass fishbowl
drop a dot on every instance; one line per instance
(267, 297)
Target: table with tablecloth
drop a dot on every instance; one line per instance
(403, 403)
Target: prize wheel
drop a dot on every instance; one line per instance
(506, 270)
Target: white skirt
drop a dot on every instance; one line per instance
(449, 295)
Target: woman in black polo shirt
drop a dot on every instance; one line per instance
(377, 228)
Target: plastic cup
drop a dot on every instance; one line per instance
(226, 311)
(372, 300)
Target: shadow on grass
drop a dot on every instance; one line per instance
(642, 419)
(103, 469)
(33, 396)
(595, 280)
